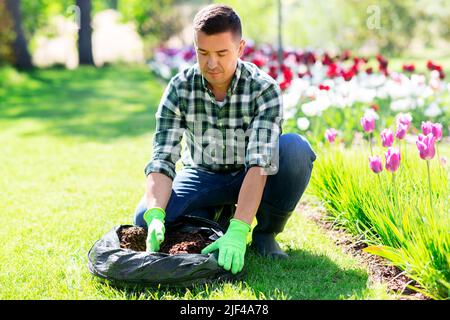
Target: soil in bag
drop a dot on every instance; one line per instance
(174, 242)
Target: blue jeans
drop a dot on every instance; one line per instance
(198, 192)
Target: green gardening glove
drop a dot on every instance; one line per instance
(154, 217)
(232, 246)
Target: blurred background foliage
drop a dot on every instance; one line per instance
(402, 27)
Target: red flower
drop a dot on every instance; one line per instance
(287, 73)
(333, 70)
(430, 65)
(382, 62)
(248, 50)
(375, 107)
(433, 66)
(259, 62)
(324, 87)
(284, 85)
(409, 67)
(310, 58)
(273, 72)
(348, 75)
(327, 60)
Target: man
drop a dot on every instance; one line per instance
(231, 115)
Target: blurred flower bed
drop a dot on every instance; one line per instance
(323, 90)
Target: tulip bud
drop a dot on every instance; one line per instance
(330, 135)
(437, 131)
(392, 159)
(404, 118)
(426, 146)
(375, 164)
(427, 127)
(401, 131)
(387, 138)
(368, 123)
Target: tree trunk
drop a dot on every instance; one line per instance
(22, 58)
(113, 4)
(85, 33)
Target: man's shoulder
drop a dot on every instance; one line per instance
(259, 79)
(185, 76)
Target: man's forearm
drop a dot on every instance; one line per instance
(250, 194)
(159, 189)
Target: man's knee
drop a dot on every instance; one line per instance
(296, 153)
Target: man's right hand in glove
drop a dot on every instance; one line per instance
(154, 217)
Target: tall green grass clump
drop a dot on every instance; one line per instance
(396, 220)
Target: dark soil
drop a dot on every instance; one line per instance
(174, 243)
(380, 270)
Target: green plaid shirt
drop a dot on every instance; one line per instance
(243, 130)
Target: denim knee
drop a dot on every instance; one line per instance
(297, 153)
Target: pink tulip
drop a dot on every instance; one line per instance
(426, 146)
(437, 131)
(368, 123)
(387, 138)
(404, 118)
(401, 131)
(375, 164)
(392, 159)
(427, 127)
(330, 134)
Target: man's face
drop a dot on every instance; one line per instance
(217, 56)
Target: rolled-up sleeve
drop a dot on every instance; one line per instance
(170, 126)
(265, 130)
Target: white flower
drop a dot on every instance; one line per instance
(396, 90)
(340, 102)
(311, 109)
(290, 113)
(420, 102)
(291, 99)
(433, 110)
(382, 92)
(303, 123)
(427, 92)
(401, 105)
(372, 113)
(365, 95)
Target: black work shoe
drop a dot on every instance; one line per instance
(266, 245)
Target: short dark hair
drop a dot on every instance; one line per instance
(218, 18)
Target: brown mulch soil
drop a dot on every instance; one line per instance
(379, 269)
(174, 243)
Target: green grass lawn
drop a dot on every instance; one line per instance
(73, 146)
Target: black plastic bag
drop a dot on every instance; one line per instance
(108, 260)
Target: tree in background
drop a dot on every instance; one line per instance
(343, 24)
(85, 33)
(156, 20)
(6, 35)
(22, 58)
(113, 4)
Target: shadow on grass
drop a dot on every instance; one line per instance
(304, 276)
(96, 104)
